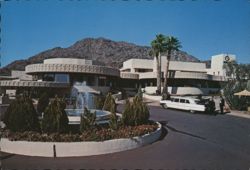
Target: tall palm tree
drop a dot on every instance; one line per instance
(172, 44)
(158, 46)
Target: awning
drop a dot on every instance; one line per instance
(242, 93)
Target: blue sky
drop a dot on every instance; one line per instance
(205, 27)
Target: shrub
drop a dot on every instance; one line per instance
(135, 113)
(109, 103)
(141, 112)
(21, 115)
(139, 93)
(43, 102)
(55, 118)
(127, 116)
(113, 123)
(99, 101)
(87, 120)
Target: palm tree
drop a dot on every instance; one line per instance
(172, 44)
(158, 46)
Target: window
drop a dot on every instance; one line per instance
(187, 101)
(102, 81)
(64, 78)
(176, 100)
(182, 100)
(48, 77)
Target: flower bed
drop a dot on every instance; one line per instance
(82, 148)
(97, 134)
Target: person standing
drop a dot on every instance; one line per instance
(222, 104)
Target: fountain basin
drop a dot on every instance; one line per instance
(74, 115)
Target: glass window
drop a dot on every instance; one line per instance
(187, 101)
(48, 77)
(176, 100)
(102, 81)
(182, 100)
(62, 78)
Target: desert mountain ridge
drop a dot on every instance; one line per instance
(101, 50)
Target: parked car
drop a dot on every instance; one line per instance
(184, 103)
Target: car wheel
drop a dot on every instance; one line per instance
(165, 106)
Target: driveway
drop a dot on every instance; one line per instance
(190, 141)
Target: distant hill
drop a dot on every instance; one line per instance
(100, 50)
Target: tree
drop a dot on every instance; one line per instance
(21, 115)
(135, 113)
(158, 46)
(55, 118)
(113, 123)
(172, 44)
(43, 102)
(239, 75)
(109, 103)
(88, 120)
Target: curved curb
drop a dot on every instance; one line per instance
(63, 149)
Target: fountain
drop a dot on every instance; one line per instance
(84, 98)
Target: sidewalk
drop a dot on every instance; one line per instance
(237, 113)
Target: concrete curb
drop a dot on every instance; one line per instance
(72, 149)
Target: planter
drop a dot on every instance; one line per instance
(71, 149)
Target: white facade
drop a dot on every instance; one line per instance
(134, 65)
(75, 61)
(217, 64)
(148, 67)
(20, 75)
(145, 65)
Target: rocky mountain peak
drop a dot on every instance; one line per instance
(101, 50)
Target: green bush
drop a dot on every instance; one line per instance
(127, 115)
(43, 102)
(135, 113)
(139, 93)
(87, 120)
(113, 123)
(109, 104)
(21, 115)
(141, 112)
(99, 102)
(55, 118)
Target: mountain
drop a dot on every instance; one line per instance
(100, 50)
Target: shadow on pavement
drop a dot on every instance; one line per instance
(5, 156)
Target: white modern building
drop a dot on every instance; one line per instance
(59, 75)
(217, 64)
(184, 77)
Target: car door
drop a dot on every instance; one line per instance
(175, 104)
(183, 104)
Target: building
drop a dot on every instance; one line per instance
(217, 64)
(184, 77)
(60, 75)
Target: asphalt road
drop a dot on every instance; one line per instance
(189, 142)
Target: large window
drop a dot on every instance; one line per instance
(62, 78)
(102, 81)
(48, 77)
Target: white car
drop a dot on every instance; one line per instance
(183, 103)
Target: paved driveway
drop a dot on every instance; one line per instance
(192, 142)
